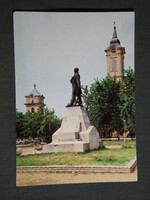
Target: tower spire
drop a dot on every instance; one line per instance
(115, 32)
(114, 39)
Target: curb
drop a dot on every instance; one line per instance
(80, 168)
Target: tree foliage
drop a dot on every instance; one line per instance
(103, 101)
(41, 124)
(19, 124)
(127, 106)
(110, 104)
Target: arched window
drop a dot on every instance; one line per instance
(114, 65)
(32, 110)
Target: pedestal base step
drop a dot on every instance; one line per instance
(77, 146)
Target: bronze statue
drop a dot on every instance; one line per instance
(76, 89)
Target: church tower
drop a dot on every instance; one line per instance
(34, 100)
(115, 57)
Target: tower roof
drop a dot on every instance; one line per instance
(115, 40)
(35, 92)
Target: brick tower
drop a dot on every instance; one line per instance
(34, 100)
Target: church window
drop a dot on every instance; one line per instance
(114, 65)
(32, 110)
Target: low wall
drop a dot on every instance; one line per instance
(81, 168)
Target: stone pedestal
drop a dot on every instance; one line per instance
(75, 134)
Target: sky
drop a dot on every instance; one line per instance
(49, 45)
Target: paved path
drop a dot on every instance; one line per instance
(113, 146)
(46, 178)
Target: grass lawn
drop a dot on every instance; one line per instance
(129, 143)
(103, 156)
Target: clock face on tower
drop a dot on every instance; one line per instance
(113, 50)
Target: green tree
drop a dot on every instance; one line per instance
(49, 124)
(40, 124)
(102, 100)
(30, 125)
(19, 124)
(127, 105)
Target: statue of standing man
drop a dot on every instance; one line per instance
(76, 89)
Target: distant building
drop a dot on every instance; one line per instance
(115, 57)
(34, 100)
